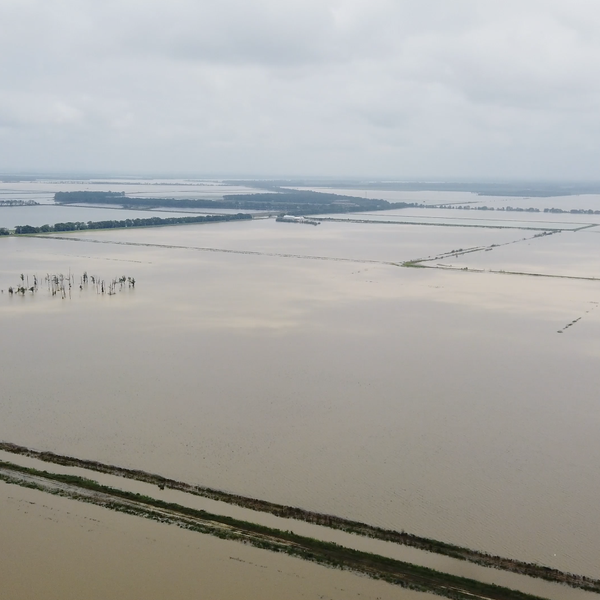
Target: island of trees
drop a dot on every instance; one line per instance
(278, 200)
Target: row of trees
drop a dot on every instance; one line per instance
(572, 211)
(477, 207)
(61, 285)
(126, 223)
(19, 203)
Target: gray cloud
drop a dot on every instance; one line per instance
(383, 88)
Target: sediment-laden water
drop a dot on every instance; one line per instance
(60, 548)
(440, 403)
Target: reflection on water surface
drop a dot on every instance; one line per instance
(442, 403)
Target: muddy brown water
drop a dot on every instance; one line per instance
(540, 588)
(444, 404)
(60, 549)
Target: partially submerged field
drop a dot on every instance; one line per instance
(308, 367)
(63, 549)
(280, 538)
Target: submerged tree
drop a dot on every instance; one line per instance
(59, 284)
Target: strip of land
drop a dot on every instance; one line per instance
(334, 522)
(378, 567)
(224, 250)
(490, 225)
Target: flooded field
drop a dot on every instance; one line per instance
(520, 218)
(442, 563)
(43, 191)
(343, 241)
(61, 549)
(568, 254)
(579, 201)
(49, 214)
(438, 402)
(476, 218)
(453, 221)
(424, 197)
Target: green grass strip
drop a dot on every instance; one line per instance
(327, 553)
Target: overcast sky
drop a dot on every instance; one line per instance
(379, 88)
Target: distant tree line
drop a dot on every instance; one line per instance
(515, 189)
(126, 223)
(4, 231)
(292, 202)
(18, 203)
(573, 211)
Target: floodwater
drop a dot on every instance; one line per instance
(579, 202)
(11, 216)
(441, 403)
(43, 191)
(475, 218)
(60, 549)
(565, 254)
(522, 218)
(420, 197)
(400, 219)
(344, 241)
(439, 562)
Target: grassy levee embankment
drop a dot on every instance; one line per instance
(330, 554)
(399, 537)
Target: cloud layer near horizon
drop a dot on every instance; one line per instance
(389, 88)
